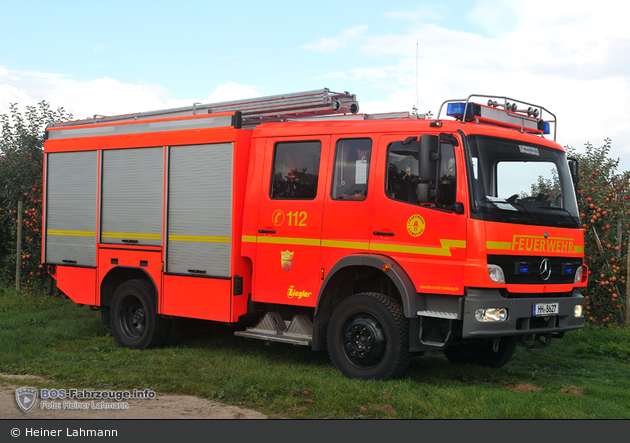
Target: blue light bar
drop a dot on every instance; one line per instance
(522, 268)
(457, 110)
(545, 128)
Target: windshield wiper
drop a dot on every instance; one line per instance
(528, 213)
(576, 222)
(507, 205)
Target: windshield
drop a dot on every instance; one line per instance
(517, 182)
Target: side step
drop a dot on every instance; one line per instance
(435, 330)
(272, 327)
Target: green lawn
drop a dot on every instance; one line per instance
(585, 375)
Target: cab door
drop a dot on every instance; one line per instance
(288, 243)
(349, 201)
(427, 239)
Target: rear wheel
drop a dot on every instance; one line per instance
(483, 353)
(368, 337)
(134, 319)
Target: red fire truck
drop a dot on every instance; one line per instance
(375, 237)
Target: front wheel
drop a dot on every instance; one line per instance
(134, 319)
(368, 337)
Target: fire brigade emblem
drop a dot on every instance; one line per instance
(415, 225)
(286, 260)
(26, 398)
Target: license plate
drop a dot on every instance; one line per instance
(545, 309)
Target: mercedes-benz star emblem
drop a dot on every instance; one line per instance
(545, 269)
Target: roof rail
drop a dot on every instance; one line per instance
(378, 116)
(502, 111)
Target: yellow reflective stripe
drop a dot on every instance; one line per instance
(199, 238)
(443, 251)
(579, 249)
(498, 245)
(289, 241)
(131, 235)
(345, 244)
(70, 233)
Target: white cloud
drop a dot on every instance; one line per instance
(232, 91)
(570, 57)
(494, 17)
(10, 93)
(330, 44)
(103, 96)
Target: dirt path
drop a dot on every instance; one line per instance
(164, 406)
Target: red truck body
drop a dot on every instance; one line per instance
(372, 238)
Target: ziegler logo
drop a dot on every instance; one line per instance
(291, 293)
(533, 243)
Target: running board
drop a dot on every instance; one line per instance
(431, 334)
(272, 327)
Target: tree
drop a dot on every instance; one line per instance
(604, 202)
(21, 175)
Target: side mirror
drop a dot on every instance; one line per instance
(426, 193)
(429, 156)
(574, 168)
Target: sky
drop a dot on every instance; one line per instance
(116, 57)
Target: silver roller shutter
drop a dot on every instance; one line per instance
(71, 192)
(132, 196)
(200, 210)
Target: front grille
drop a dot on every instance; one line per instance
(507, 294)
(558, 266)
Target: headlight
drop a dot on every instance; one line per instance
(496, 274)
(491, 314)
(578, 275)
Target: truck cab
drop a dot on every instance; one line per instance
(470, 227)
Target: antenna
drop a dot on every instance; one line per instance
(416, 75)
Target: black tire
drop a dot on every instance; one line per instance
(368, 337)
(482, 353)
(134, 319)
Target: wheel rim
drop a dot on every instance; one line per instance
(132, 317)
(364, 341)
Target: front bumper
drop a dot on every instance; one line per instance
(521, 320)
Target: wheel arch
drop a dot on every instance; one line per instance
(118, 275)
(361, 273)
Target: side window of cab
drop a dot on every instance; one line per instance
(295, 170)
(404, 182)
(351, 169)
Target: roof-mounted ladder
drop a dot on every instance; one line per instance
(253, 110)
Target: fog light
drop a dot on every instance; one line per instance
(491, 314)
(496, 274)
(578, 275)
(578, 311)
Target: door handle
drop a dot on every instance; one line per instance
(388, 234)
(266, 231)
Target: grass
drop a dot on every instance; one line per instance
(585, 375)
